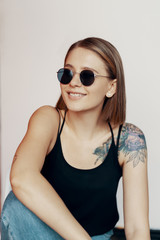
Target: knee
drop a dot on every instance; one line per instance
(14, 212)
(12, 207)
(9, 216)
(16, 219)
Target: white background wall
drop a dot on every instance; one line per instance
(35, 36)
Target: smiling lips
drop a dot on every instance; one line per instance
(76, 95)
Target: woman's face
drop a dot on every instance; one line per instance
(78, 97)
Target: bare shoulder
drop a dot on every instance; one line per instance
(45, 113)
(42, 130)
(45, 120)
(132, 145)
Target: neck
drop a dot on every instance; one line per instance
(85, 124)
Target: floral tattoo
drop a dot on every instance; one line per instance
(133, 144)
(102, 151)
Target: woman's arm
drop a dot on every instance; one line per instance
(133, 151)
(28, 184)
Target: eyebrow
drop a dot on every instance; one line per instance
(84, 68)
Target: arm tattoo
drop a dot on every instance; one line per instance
(133, 144)
(102, 151)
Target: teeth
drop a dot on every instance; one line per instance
(76, 94)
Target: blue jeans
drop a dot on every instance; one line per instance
(19, 223)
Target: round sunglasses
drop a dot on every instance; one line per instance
(87, 77)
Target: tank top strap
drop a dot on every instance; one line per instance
(118, 136)
(119, 133)
(59, 119)
(62, 123)
(111, 131)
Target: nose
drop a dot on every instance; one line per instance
(75, 80)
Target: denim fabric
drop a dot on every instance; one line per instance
(19, 223)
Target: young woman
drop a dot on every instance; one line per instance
(66, 170)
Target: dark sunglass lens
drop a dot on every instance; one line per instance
(64, 75)
(87, 77)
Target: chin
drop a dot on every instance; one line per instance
(74, 108)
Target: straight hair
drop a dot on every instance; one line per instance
(114, 108)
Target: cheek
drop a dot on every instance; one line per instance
(100, 90)
(62, 87)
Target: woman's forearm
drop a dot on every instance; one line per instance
(34, 191)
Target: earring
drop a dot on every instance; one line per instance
(108, 94)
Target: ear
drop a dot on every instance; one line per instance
(112, 88)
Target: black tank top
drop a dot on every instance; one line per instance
(90, 194)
